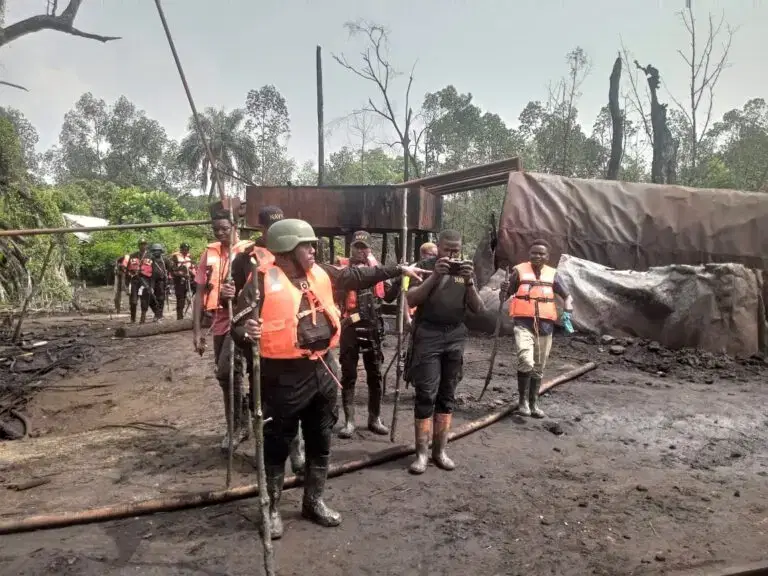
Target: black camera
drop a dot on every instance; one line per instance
(454, 266)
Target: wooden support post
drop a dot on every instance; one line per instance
(384, 248)
(320, 123)
(332, 249)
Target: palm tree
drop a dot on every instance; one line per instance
(233, 148)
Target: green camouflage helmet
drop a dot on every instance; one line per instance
(156, 248)
(285, 235)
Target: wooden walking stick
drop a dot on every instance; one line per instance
(257, 423)
(215, 176)
(496, 333)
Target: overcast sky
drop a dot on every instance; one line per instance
(502, 51)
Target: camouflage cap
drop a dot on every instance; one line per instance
(362, 237)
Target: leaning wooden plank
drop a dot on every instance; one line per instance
(154, 328)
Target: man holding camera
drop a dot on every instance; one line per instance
(437, 351)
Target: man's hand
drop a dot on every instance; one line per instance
(467, 270)
(253, 329)
(442, 266)
(227, 291)
(414, 273)
(198, 341)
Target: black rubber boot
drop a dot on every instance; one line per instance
(133, 314)
(143, 318)
(533, 397)
(348, 403)
(313, 506)
(523, 388)
(298, 460)
(375, 424)
(275, 479)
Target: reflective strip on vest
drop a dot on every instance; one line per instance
(535, 297)
(146, 267)
(350, 303)
(132, 264)
(280, 312)
(218, 273)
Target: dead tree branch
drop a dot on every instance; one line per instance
(705, 68)
(12, 85)
(617, 122)
(376, 68)
(635, 99)
(64, 22)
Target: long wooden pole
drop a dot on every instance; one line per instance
(320, 121)
(257, 424)
(401, 305)
(50, 231)
(216, 176)
(209, 498)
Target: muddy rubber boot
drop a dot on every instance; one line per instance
(298, 461)
(313, 507)
(143, 318)
(375, 424)
(523, 386)
(442, 428)
(347, 400)
(533, 397)
(275, 478)
(423, 430)
(241, 431)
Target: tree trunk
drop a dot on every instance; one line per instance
(141, 330)
(617, 121)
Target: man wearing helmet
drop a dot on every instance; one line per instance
(298, 324)
(158, 282)
(183, 272)
(241, 270)
(138, 270)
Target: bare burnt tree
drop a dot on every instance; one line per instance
(63, 22)
(704, 67)
(617, 122)
(376, 68)
(664, 164)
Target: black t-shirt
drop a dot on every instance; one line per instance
(446, 305)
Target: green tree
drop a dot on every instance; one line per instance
(375, 166)
(742, 138)
(137, 146)
(233, 148)
(83, 142)
(27, 134)
(270, 125)
(134, 205)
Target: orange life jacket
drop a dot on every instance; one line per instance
(131, 264)
(350, 303)
(535, 297)
(216, 272)
(183, 264)
(280, 312)
(145, 268)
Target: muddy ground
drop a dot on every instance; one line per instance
(654, 463)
